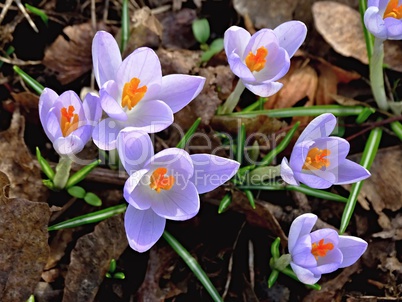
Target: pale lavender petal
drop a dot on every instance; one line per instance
(177, 161)
(51, 125)
(321, 126)
(352, 248)
(301, 253)
(142, 63)
(374, 22)
(105, 56)
(181, 202)
(68, 145)
(143, 228)
(329, 263)
(276, 67)
(131, 193)
(211, 171)
(240, 69)
(349, 172)
(112, 89)
(304, 275)
(105, 134)
(318, 180)
(263, 37)
(264, 89)
(135, 148)
(394, 28)
(180, 89)
(287, 173)
(92, 108)
(46, 102)
(235, 40)
(329, 235)
(150, 116)
(338, 147)
(299, 154)
(301, 226)
(111, 107)
(291, 36)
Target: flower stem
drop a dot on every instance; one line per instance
(233, 99)
(62, 172)
(377, 74)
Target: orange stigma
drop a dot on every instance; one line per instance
(161, 182)
(316, 159)
(321, 249)
(132, 94)
(393, 10)
(256, 62)
(68, 120)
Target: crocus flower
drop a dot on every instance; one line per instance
(383, 18)
(318, 160)
(320, 252)
(262, 59)
(133, 92)
(67, 121)
(165, 185)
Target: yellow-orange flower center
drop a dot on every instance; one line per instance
(132, 94)
(256, 62)
(393, 10)
(161, 182)
(316, 159)
(321, 249)
(68, 120)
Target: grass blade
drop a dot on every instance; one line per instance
(125, 26)
(29, 80)
(241, 137)
(182, 143)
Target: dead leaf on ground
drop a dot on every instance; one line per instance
(91, 257)
(17, 163)
(23, 249)
(70, 55)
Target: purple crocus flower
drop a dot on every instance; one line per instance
(67, 121)
(320, 252)
(318, 160)
(133, 92)
(263, 58)
(383, 18)
(164, 185)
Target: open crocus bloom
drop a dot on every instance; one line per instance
(67, 121)
(165, 185)
(133, 92)
(263, 58)
(318, 160)
(320, 252)
(383, 18)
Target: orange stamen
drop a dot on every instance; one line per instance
(393, 10)
(256, 62)
(316, 159)
(68, 120)
(161, 182)
(132, 94)
(321, 249)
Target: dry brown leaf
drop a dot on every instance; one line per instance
(18, 164)
(91, 257)
(23, 249)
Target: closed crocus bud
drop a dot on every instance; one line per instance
(320, 252)
(383, 18)
(319, 160)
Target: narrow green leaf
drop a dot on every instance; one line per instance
(369, 153)
(112, 266)
(250, 198)
(37, 12)
(9, 51)
(44, 165)
(241, 138)
(397, 128)
(367, 35)
(119, 275)
(89, 218)
(31, 298)
(273, 276)
(364, 115)
(92, 199)
(225, 202)
(275, 254)
(30, 81)
(82, 173)
(253, 152)
(287, 271)
(201, 30)
(108, 275)
(193, 265)
(182, 143)
(281, 146)
(336, 110)
(258, 105)
(215, 47)
(77, 192)
(49, 184)
(125, 26)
